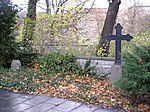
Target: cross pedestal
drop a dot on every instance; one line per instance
(117, 68)
(116, 71)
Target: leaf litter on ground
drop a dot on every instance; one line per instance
(85, 89)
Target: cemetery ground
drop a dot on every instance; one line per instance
(57, 75)
(84, 88)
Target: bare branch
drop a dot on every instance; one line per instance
(60, 4)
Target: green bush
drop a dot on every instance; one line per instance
(56, 62)
(25, 54)
(7, 26)
(136, 70)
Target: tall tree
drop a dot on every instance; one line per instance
(103, 46)
(8, 14)
(30, 21)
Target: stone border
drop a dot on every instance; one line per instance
(102, 65)
(96, 58)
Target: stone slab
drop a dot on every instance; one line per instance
(36, 100)
(105, 110)
(7, 103)
(116, 72)
(53, 110)
(101, 66)
(8, 94)
(40, 108)
(56, 101)
(18, 108)
(84, 108)
(27, 96)
(67, 106)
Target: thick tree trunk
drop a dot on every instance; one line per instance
(30, 21)
(103, 46)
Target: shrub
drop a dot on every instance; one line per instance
(25, 53)
(136, 70)
(7, 27)
(56, 62)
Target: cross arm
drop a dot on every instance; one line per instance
(119, 37)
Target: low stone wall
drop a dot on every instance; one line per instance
(102, 64)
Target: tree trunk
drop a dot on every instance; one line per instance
(47, 6)
(30, 21)
(103, 46)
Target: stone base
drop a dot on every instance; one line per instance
(116, 72)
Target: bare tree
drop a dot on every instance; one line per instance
(108, 27)
(56, 6)
(52, 5)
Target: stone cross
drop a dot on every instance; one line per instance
(118, 37)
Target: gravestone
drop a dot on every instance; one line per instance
(15, 64)
(116, 70)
